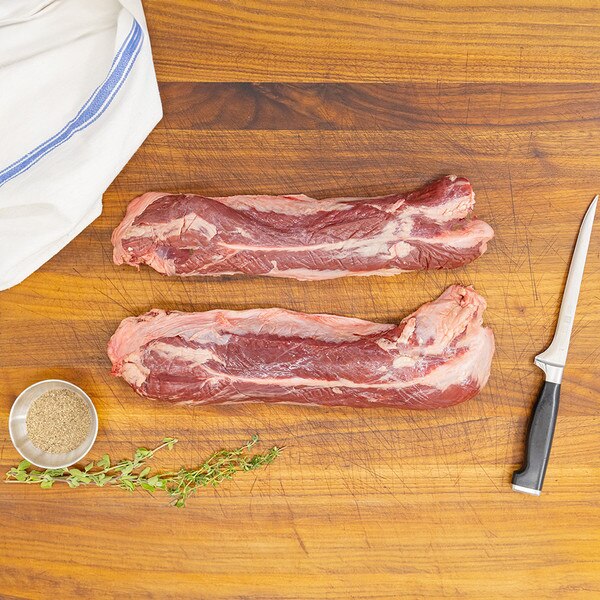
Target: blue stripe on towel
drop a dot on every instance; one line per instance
(97, 103)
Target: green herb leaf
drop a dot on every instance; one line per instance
(170, 442)
(54, 472)
(128, 485)
(101, 480)
(179, 485)
(126, 469)
(104, 462)
(142, 453)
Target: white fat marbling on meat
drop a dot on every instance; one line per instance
(368, 246)
(190, 222)
(195, 356)
(287, 205)
(401, 250)
(404, 361)
(134, 372)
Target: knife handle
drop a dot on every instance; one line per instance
(530, 478)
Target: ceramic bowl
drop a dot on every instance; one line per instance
(18, 429)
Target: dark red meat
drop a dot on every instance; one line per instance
(303, 238)
(438, 356)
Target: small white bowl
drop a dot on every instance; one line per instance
(18, 429)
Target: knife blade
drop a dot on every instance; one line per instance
(530, 478)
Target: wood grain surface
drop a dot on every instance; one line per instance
(345, 98)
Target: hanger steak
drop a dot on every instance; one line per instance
(303, 238)
(437, 356)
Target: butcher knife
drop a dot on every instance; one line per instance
(530, 478)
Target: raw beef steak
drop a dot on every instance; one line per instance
(299, 237)
(438, 356)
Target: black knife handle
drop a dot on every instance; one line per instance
(530, 477)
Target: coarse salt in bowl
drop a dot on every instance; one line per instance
(17, 426)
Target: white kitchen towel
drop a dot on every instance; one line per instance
(78, 96)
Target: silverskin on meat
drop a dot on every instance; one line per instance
(302, 238)
(438, 356)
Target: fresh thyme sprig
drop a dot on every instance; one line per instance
(180, 485)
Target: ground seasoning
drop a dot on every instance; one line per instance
(58, 421)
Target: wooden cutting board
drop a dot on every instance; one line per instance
(355, 98)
